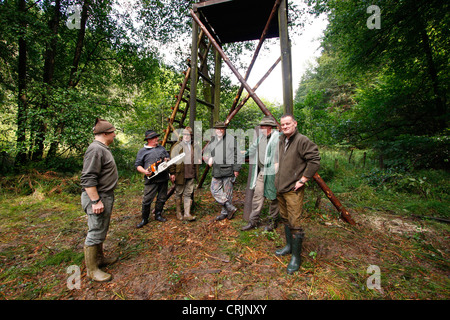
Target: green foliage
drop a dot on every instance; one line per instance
(384, 89)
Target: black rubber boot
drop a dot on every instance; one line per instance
(286, 249)
(159, 217)
(145, 215)
(297, 240)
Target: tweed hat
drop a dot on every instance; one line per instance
(268, 121)
(103, 126)
(220, 125)
(150, 134)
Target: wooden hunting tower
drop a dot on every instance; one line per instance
(217, 22)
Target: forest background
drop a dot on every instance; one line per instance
(384, 90)
(376, 96)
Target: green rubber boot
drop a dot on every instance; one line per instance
(286, 249)
(294, 264)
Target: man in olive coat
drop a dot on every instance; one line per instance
(223, 156)
(299, 160)
(98, 180)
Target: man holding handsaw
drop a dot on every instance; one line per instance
(152, 161)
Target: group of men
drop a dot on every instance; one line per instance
(281, 164)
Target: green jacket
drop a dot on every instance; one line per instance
(227, 158)
(270, 158)
(301, 158)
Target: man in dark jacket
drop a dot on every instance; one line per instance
(222, 155)
(186, 172)
(299, 160)
(98, 181)
(150, 154)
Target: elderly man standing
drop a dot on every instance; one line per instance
(222, 155)
(299, 160)
(98, 181)
(186, 171)
(151, 153)
(263, 155)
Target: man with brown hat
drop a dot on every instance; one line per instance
(186, 171)
(157, 187)
(222, 155)
(98, 181)
(263, 155)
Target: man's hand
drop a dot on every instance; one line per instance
(300, 183)
(98, 207)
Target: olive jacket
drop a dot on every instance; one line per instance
(301, 158)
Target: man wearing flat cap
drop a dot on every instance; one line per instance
(222, 155)
(263, 155)
(98, 181)
(157, 187)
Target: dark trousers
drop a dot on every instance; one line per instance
(158, 190)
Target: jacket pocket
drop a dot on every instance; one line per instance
(226, 170)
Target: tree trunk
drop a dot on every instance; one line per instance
(73, 78)
(21, 156)
(49, 70)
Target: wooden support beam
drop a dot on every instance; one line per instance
(194, 71)
(236, 110)
(231, 66)
(286, 62)
(256, 53)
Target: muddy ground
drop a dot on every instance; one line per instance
(208, 259)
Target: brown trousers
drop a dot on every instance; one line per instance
(291, 208)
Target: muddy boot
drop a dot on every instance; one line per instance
(231, 209)
(272, 225)
(145, 215)
(178, 206)
(187, 210)
(297, 240)
(286, 249)
(101, 259)
(93, 272)
(249, 226)
(159, 217)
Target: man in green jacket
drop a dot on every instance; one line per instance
(98, 180)
(223, 156)
(299, 160)
(263, 155)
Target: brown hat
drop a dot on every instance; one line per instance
(268, 121)
(150, 134)
(103, 126)
(220, 125)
